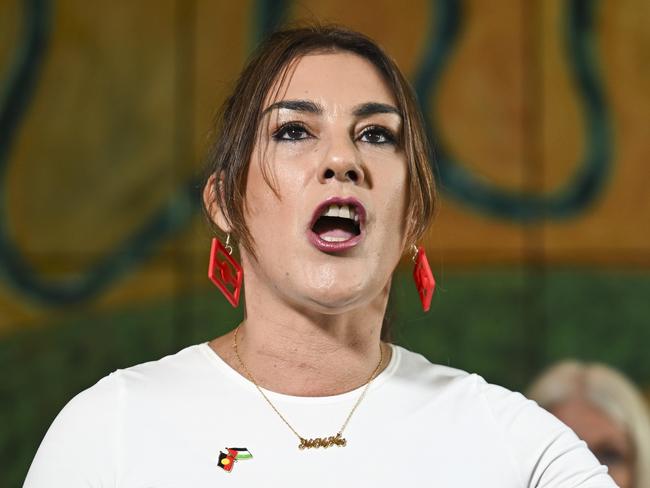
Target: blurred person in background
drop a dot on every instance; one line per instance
(606, 411)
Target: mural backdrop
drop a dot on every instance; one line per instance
(538, 112)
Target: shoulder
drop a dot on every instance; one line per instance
(172, 370)
(430, 382)
(463, 386)
(499, 424)
(166, 376)
(546, 451)
(94, 406)
(96, 411)
(82, 445)
(498, 408)
(414, 366)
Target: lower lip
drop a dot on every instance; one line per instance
(327, 246)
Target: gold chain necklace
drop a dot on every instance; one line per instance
(335, 440)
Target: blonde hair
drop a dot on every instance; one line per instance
(610, 391)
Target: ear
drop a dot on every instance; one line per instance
(210, 202)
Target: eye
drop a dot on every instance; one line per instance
(377, 135)
(291, 131)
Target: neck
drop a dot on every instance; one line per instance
(291, 351)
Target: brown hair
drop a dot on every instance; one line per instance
(241, 114)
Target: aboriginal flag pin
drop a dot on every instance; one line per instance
(227, 459)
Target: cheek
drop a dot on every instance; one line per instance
(258, 192)
(291, 175)
(274, 191)
(283, 167)
(392, 184)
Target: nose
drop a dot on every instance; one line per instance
(341, 163)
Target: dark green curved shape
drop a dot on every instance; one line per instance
(133, 250)
(268, 16)
(591, 175)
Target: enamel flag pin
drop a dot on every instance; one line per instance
(227, 461)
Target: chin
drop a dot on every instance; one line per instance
(332, 307)
(342, 294)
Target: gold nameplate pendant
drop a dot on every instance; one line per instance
(326, 442)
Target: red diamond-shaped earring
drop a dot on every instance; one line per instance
(424, 281)
(224, 271)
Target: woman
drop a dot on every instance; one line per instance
(321, 175)
(605, 410)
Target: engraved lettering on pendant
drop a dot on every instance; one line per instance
(324, 442)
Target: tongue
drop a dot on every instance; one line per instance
(336, 233)
(334, 227)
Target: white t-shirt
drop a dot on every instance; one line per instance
(166, 423)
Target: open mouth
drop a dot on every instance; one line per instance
(337, 224)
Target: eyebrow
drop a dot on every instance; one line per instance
(371, 108)
(297, 105)
(362, 110)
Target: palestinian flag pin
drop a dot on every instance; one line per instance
(227, 459)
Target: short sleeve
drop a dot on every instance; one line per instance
(547, 454)
(80, 447)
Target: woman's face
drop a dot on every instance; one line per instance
(605, 438)
(329, 142)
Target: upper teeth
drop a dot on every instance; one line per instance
(343, 211)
